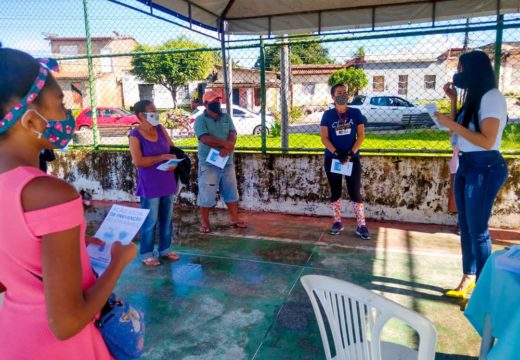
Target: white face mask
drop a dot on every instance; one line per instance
(152, 118)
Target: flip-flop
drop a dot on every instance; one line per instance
(239, 224)
(151, 261)
(204, 229)
(171, 256)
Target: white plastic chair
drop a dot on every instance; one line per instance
(356, 317)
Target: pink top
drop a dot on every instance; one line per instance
(24, 330)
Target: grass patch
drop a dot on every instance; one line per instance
(420, 142)
(413, 141)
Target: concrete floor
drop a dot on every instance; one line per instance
(235, 294)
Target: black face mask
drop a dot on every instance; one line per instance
(215, 107)
(460, 80)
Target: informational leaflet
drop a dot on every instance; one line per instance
(510, 260)
(214, 158)
(121, 224)
(432, 109)
(172, 162)
(339, 168)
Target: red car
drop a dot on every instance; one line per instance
(107, 117)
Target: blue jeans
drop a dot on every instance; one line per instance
(211, 179)
(161, 214)
(479, 177)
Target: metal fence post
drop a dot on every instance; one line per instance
(262, 95)
(91, 79)
(285, 74)
(498, 48)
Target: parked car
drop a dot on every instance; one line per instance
(107, 117)
(391, 109)
(246, 122)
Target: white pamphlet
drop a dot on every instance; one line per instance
(172, 162)
(214, 158)
(121, 224)
(339, 168)
(432, 109)
(510, 260)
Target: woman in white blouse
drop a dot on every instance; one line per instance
(477, 130)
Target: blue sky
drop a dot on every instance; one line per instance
(24, 24)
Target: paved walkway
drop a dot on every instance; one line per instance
(235, 293)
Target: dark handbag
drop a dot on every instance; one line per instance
(183, 169)
(122, 328)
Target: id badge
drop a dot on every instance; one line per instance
(342, 132)
(455, 139)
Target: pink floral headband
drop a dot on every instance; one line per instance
(20, 108)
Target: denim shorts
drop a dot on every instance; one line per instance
(211, 179)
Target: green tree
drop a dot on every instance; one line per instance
(360, 53)
(173, 70)
(355, 79)
(313, 53)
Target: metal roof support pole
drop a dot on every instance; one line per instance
(91, 77)
(285, 74)
(225, 70)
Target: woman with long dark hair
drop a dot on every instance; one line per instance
(477, 130)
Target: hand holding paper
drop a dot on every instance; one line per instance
(168, 164)
(214, 158)
(339, 168)
(432, 109)
(120, 225)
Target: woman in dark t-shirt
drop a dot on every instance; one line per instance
(342, 132)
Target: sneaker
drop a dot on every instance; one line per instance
(336, 228)
(362, 232)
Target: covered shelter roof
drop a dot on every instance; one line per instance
(293, 16)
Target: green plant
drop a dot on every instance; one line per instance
(276, 129)
(169, 121)
(306, 53)
(172, 70)
(295, 113)
(355, 79)
(512, 133)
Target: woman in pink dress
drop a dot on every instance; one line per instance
(52, 297)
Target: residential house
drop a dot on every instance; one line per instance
(414, 77)
(411, 76)
(509, 82)
(246, 87)
(108, 71)
(115, 85)
(309, 85)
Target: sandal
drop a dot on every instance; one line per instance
(171, 256)
(204, 229)
(239, 224)
(151, 261)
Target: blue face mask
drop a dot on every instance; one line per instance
(58, 132)
(460, 80)
(215, 107)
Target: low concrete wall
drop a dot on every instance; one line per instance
(394, 188)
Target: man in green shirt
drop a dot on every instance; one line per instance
(215, 130)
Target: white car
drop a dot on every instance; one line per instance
(391, 109)
(246, 122)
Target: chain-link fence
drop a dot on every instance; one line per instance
(115, 53)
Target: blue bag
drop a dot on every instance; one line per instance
(122, 328)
